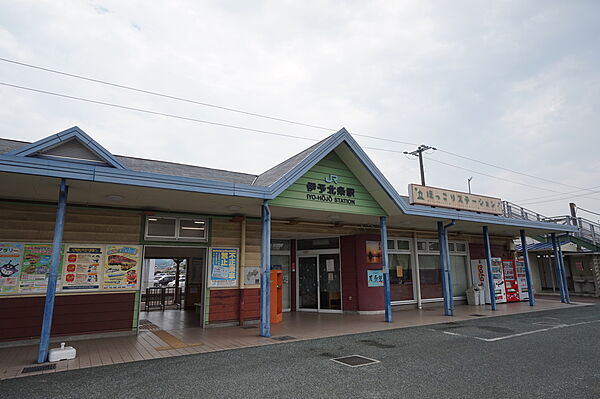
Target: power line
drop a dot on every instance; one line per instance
(187, 100)
(164, 114)
(284, 120)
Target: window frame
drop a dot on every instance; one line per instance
(177, 236)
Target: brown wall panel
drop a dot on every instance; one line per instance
(21, 318)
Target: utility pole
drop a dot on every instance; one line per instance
(469, 181)
(419, 153)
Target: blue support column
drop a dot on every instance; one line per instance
(527, 271)
(445, 265)
(559, 275)
(488, 261)
(386, 270)
(561, 258)
(53, 275)
(265, 265)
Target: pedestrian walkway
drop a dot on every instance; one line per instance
(154, 343)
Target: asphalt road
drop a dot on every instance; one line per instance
(551, 354)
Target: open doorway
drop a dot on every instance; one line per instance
(172, 291)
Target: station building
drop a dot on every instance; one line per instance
(326, 217)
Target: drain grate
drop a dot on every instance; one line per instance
(355, 360)
(477, 315)
(33, 369)
(283, 338)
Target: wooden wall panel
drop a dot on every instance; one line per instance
(73, 314)
(35, 223)
(224, 305)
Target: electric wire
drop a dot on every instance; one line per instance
(252, 130)
(314, 126)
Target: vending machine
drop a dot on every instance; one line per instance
(510, 280)
(479, 273)
(522, 279)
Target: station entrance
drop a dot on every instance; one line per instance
(172, 291)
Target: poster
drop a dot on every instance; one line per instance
(373, 251)
(10, 267)
(375, 278)
(121, 267)
(223, 267)
(251, 275)
(35, 268)
(82, 269)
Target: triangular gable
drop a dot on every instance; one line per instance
(71, 145)
(329, 186)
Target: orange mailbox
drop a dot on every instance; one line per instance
(276, 296)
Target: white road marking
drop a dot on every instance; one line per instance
(523, 333)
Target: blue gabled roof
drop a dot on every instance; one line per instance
(64, 136)
(266, 186)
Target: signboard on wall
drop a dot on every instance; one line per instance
(375, 278)
(223, 267)
(122, 267)
(82, 267)
(10, 267)
(251, 275)
(35, 269)
(330, 186)
(432, 196)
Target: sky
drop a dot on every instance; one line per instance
(514, 84)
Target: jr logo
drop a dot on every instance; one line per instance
(331, 179)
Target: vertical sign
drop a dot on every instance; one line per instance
(223, 267)
(82, 267)
(121, 270)
(35, 269)
(10, 268)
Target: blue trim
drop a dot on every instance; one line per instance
(445, 266)
(53, 276)
(19, 162)
(564, 274)
(265, 280)
(387, 301)
(488, 262)
(527, 270)
(72, 133)
(559, 271)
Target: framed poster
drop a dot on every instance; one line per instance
(375, 278)
(36, 268)
(10, 267)
(82, 268)
(223, 267)
(373, 249)
(121, 267)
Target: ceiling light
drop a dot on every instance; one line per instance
(152, 219)
(115, 198)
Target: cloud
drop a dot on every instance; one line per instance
(511, 83)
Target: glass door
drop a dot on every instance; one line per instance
(330, 292)
(307, 283)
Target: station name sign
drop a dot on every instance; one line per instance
(432, 196)
(330, 192)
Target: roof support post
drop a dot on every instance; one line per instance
(559, 272)
(561, 258)
(386, 269)
(445, 265)
(527, 271)
(53, 275)
(488, 262)
(265, 279)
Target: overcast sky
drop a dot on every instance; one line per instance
(511, 83)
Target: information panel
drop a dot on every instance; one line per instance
(82, 267)
(35, 269)
(10, 267)
(223, 267)
(122, 267)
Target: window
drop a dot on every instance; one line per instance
(430, 270)
(401, 284)
(318, 243)
(176, 229)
